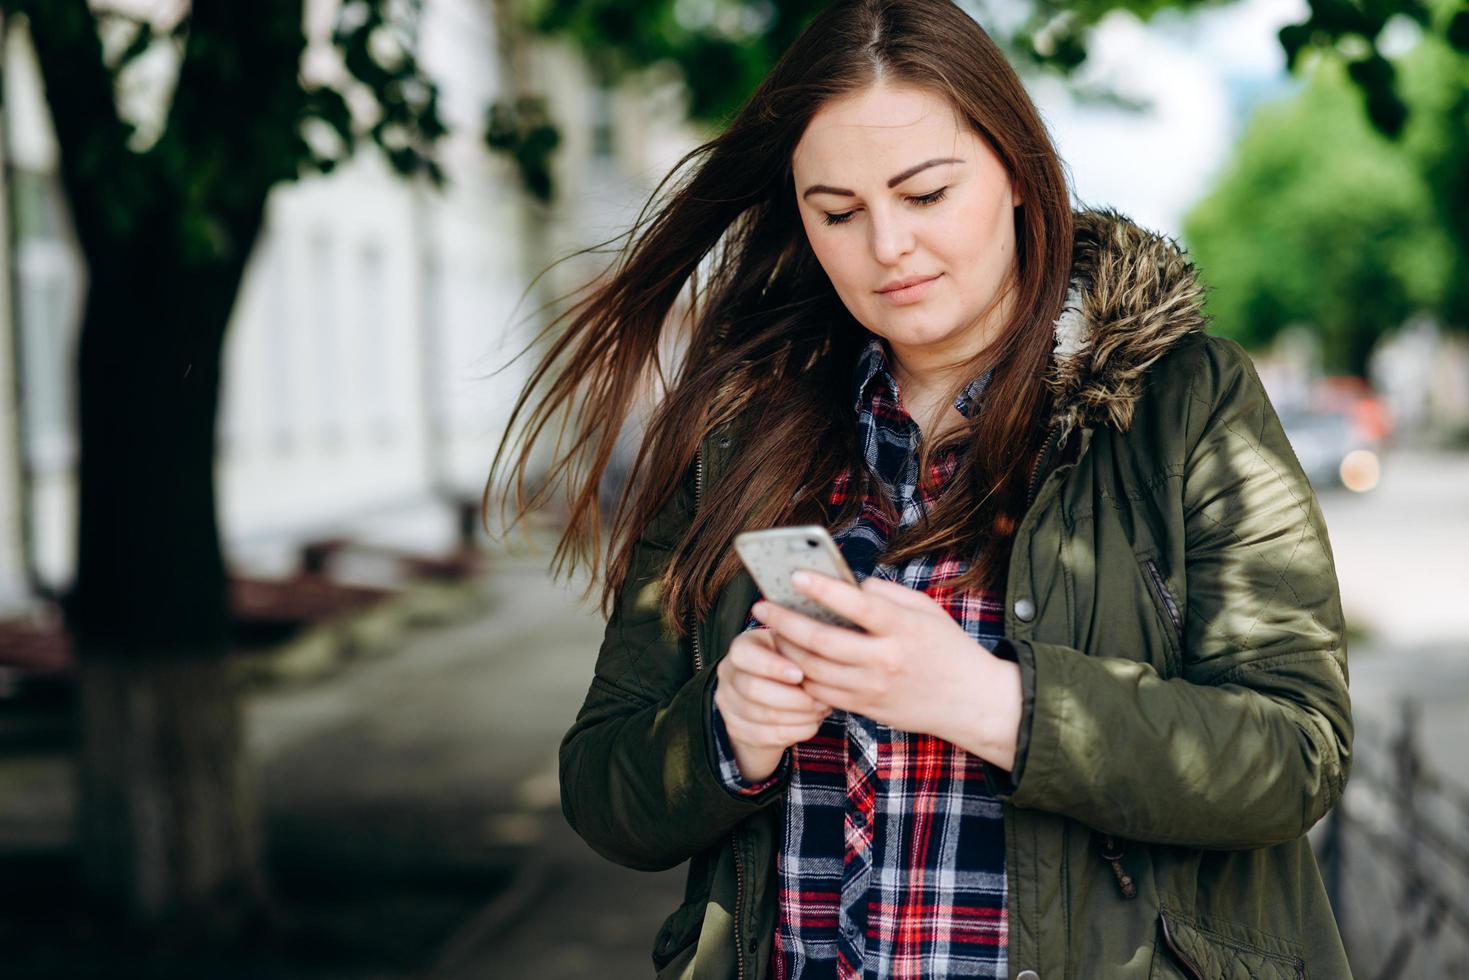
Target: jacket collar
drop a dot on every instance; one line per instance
(1133, 296)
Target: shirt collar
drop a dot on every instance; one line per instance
(873, 362)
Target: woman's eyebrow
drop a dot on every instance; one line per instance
(892, 181)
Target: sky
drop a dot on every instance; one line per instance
(1201, 72)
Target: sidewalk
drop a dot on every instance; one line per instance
(462, 730)
(412, 816)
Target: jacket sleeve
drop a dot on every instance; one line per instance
(1252, 744)
(639, 778)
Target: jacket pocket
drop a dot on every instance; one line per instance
(678, 934)
(1168, 608)
(1186, 950)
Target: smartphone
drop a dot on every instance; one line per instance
(772, 554)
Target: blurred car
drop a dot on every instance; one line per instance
(1322, 440)
(1353, 397)
(1339, 434)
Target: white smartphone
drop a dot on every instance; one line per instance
(772, 554)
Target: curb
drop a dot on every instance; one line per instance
(325, 648)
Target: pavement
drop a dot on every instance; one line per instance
(449, 749)
(411, 810)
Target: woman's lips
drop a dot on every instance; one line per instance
(909, 294)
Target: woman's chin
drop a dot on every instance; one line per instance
(919, 330)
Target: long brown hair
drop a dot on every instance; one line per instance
(768, 334)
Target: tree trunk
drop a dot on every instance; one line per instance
(150, 574)
(167, 827)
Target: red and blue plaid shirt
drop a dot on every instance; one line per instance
(892, 861)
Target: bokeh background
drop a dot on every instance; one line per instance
(272, 701)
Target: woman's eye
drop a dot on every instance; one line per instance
(922, 200)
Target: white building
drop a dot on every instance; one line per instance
(359, 393)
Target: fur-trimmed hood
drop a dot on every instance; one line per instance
(1133, 295)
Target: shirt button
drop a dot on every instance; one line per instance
(1027, 975)
(1025, 612)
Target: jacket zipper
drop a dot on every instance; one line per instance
(734, 837)
(1035, 467)
(739, 863)
(1187, 963)
(698, 488)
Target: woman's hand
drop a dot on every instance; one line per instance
(760, 699)
(915, 669)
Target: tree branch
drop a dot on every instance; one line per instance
(79, 90)
(233, 130)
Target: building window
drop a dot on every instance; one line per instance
(374, 346)
(324, 380)
(281, 403)
(603, 131)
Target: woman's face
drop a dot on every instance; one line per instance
(891, 186)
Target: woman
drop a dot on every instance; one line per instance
(1102, 695)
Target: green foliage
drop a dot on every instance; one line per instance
(523, 131)
(378, 40)
(241, 121)
(1436, 80)
(1056, 34)
(1319, 220)
(722, 48)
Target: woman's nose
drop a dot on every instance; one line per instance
(891, 237)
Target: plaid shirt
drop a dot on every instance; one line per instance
(892, 862)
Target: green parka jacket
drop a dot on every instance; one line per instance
(1172, 604)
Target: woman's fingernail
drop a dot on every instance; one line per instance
(800, 578)
(794, 675)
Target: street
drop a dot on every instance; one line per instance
(1399, 551)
